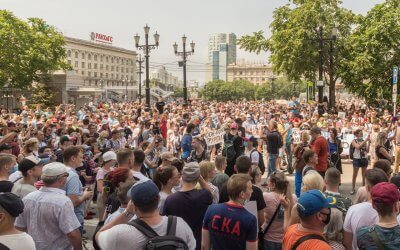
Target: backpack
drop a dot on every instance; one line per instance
(229, 150)
(306, 238)
(352, 148)
(261, 163)
(157, 242)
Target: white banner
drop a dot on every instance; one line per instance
(215, 136)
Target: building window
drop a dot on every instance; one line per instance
(122, 69)
(112, 76)
(132, 70)
(112, 68)
(89, 74)
(122, 61)
(76, 64)
(83, 55)
(90, 82)
(117, 69)
(101, 66)
(132, 63)
(95, 66)
(107, 59)
(89, 65)
(69, 53)
(106, 67)
(83, 72)
(263, 79)
(132, 80)
(95, 74)
(83, 65)
(116, 76)
(95, 57)
(89, 56)
(76, 54)
(101, 75)
(117, 60)
(112, 59)
(106, 75)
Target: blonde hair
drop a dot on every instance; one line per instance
(380, 139)
(205, 168)
(333, 231)
(305, 137)
(220, 161)
(313, 180)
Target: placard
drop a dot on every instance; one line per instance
(214, 137)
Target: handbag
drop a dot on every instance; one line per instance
(261, 232)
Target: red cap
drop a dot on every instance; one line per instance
(385, 192)
(234, 125)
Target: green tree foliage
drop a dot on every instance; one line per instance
(371, 51)
(42, 93)
(178, 92)
(293, 43)
(29, 50)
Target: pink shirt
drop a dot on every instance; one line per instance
(275, 232)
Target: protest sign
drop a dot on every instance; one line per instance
(216, 136)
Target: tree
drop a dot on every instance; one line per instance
(178, 92)
(42, 93)
(226, 91)
(293, 43)
(371, 51)
(29, 50)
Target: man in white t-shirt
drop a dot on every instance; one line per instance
(253, 154)
(10, 207)
(119, 235)
(31, 169)
(362, 214)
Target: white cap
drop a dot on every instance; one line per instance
(54, 169)
(109, 155)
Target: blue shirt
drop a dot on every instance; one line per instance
(186, 145)
(296, 105)
(230, 226)
(389, 237)
(74, 187)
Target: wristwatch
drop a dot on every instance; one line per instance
(127, 213)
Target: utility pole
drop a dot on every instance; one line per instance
(320, 66)
(184, 54)
(140, 61)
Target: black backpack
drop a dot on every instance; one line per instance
(157, 242)
(229, 150)
(351, 150)
(261, 163)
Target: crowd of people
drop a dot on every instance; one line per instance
(155, 182)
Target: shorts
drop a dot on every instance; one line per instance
(360, 163)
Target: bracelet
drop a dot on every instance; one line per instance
(127, 213)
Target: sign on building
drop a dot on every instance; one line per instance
(101, 38)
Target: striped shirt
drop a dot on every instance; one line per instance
(48, 217)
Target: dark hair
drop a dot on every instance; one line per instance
(122, 191)
(190, 127)
(332, 176)
(86, 121)
(357, 131)
(281, 184)
(150, 207)
(383, 209)
(139, 156)
(69, 152)
(162, 175)
(334, 131)
(123, 155)
(384, 165)
(178, 163)
(375, 176)
(307, 154)
(243, 164)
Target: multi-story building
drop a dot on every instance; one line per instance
(161, 75)
(214, 42)
(255, 73)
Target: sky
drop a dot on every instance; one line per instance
(197, 19)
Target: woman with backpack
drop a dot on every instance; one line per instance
(381, 151)
(299, 163)
(335, 149)
(358, 152)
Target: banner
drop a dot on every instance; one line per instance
(215, 136)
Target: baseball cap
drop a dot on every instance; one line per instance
(385, 192)
(191, 172)
(12, 204)
(109, 155)
(30, 162)
(5, 146)
(64, 138)
(234, 126)
(143, 193)
(313, 201)
(54, 169)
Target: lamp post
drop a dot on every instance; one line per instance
(7, 88)
(272, 78)
(320, 86)
(147, 48)
(140, 61)
(184, 54)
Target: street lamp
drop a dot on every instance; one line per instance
(147, 48)
(184, 54)
(7, 89)
(140, 61)
(272, 78)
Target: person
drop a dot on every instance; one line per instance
(31, 169)
(166, 159)
(207, 171)
(166, 178)
(278, 186)
(160, 105)
(11, 206)
(334, 230)
(362, 214)
(381, 151)
(274, 143)
(122, 196)
(140, 157)
(7, 163)
(320, 146)
(385, 234)
(48, 214)
(109, 161)
(332, 182)
(229, 225)
(314, 210)
(312, 180)
(252, 151)
(144, 200)
(199, 152)
(243, 166)
(73, 187)
(190, 203)
(294, 106)
(233, 143)
(220, 177)
(186, 142)
(299, 162)
(335, 149)
(397, 148)
(359, 158)
(310, 159)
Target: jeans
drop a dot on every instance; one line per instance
(297, 182)
(269, 245)
(272, 163)
(289, 155)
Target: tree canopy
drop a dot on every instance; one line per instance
(29, 50)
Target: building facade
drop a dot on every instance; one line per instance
(214, 42)
(255, 73)
(161, 75)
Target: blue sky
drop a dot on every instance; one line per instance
(122, 19)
